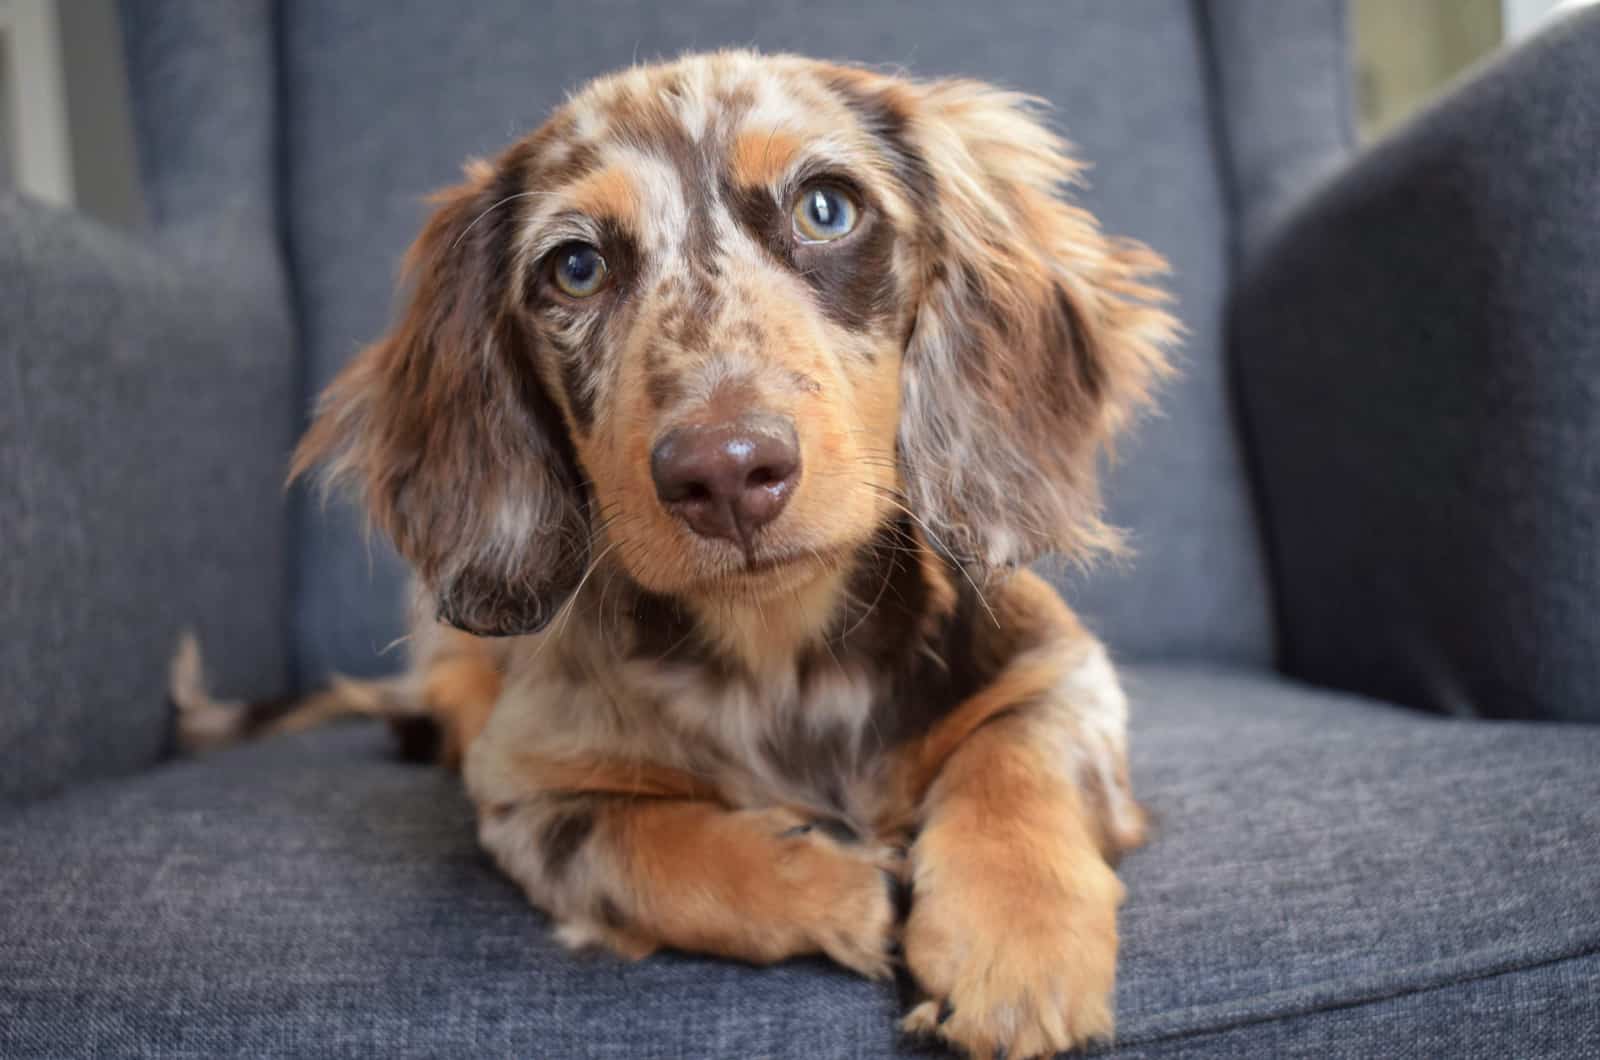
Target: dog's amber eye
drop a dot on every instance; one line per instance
(579, 270)
(823, 213)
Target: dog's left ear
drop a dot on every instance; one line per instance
(1036, 334)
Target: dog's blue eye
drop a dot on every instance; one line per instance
(823, 213)
(579, 270)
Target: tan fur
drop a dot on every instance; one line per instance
(747, 885)
(682, 742)
(609, 194)
(460, 690)
(761, 157)
(1023, 682)
(1014, 922)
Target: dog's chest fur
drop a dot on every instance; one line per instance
(633, 676)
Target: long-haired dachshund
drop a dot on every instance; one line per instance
(720, 421)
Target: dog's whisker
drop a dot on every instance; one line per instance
(867, 611)
(505, 201)
(564, 615)
(934, 540)
(404, 638)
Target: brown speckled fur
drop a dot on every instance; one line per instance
(672, 741)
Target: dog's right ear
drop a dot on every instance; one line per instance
(445, 431)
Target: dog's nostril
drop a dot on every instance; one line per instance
(726, 480)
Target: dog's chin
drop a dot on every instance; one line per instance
(772, 575)
(728, 574)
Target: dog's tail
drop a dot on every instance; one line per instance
(434, 713)
(206, 723)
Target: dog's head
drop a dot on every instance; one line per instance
(720, 318)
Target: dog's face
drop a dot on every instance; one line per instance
(719, 319)
(719, 278)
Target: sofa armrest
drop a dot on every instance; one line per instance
(1417, 353)
(146, 408)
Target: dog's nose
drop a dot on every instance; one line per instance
(727, 480)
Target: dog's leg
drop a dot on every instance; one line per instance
(634, 866)
(459, 691)
(1012, 932)
(1024, 803)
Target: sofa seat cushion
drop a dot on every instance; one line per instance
(1328, 875)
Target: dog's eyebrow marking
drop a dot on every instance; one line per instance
(761, 157)
(609, 193)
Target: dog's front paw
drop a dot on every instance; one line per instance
(1016, 953)
(843, 891)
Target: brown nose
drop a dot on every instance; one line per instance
(729, 479)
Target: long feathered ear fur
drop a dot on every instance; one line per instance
(445, 431)
(1036, 337)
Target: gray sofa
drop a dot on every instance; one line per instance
(1361, 635)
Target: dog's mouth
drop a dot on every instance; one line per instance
(773, 570)
(763, 564)
(775, 564)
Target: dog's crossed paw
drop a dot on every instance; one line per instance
(1013, 971)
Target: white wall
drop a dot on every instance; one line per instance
(1523, 17)
(35, 99)
(65, 133)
